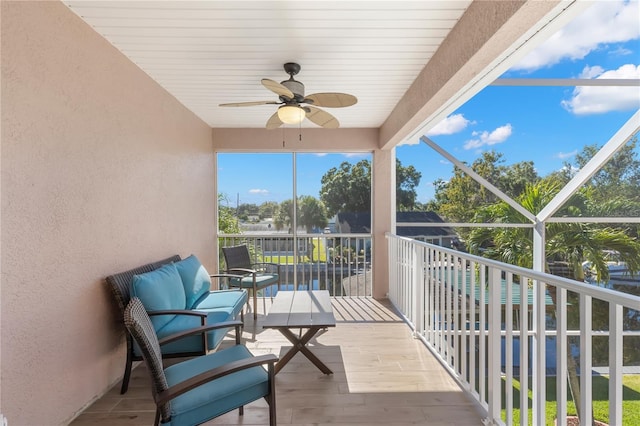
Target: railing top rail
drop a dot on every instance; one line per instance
(605, 294)
(299, 235)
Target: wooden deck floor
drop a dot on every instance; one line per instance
(382, 376)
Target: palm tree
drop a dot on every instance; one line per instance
(573, 243)
(312, 213)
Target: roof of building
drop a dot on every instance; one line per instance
(361, 223)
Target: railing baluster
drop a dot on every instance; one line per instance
(561, 356)
(615, 364)
(430, 295)
(539, 348)
(586, 414)
(482, 366)
(464, 322)
(524, 351)
(508, 349)
(449, 309)
(473, 346)
(494, 344)
(418, 290)
(442, 307)
(455, 324)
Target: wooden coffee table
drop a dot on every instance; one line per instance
(310, 310)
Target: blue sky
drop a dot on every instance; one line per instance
(547, 125)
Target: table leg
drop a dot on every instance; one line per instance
(299, 345)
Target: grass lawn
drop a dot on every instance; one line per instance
(630, 405)
(319, 255)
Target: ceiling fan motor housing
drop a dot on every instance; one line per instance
(296, 87)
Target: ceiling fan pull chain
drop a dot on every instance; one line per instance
(283, 136)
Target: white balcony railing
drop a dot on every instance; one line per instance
(467, 311)
(340, 263)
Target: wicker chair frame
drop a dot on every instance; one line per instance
(138, 323)
(120, 284)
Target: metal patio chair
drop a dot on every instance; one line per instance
(256, 275)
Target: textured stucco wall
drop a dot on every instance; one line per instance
(101, 171)
(305, 140)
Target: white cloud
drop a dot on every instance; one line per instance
(357, 155)
(486, 138)
(412, 141)
(571, 169)
(591, 72)
(259, 191)
(604, 22)
(565, 155)
(452, 124)
(600, 99)
(621, 51)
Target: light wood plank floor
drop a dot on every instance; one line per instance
(382, 376)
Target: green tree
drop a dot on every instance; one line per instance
(620, 175)
(312, 213)
(614, 188)
(283, 216)
(247, 209)
(227, 221)
(347, 188)
(407, 180)
(267, 209)
(458, 198)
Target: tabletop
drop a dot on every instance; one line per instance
(300, 309)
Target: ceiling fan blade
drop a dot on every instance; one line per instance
(274, 121)
(322, 118)
(277, 88)
(244, 104)
(331, 100)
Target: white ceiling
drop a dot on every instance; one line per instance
(210, 52)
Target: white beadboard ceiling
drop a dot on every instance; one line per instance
(210, 52)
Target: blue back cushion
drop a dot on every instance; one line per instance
(158, 290)
(195, 279)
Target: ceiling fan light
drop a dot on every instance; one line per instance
(290, 114)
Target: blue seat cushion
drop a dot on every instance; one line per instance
(195, 279)
(262, 280)
(159, 290)
(214, 300)
(194, 343)
(218, 396)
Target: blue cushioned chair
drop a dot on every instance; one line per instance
(180, 293)
(255, 275)
(172, 295)
(204, 387)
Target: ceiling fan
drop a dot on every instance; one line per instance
(291, 100)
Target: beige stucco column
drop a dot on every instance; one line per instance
(384, 213)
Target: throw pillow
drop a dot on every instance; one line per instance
(195, 279)
(159, 290)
